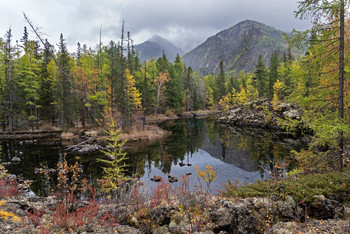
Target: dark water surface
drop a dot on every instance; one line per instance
(242, 154)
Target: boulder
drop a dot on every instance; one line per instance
(16, 160)
(222, 218)
(15, 206)
(162, 215)
(292, 114)
(323, 208)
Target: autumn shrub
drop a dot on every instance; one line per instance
(161, 195)
(8, 187)
(71, 220)
(34, 217)
(208, 176)
(193, 203)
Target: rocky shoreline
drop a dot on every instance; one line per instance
(220, 215)
(261, 113)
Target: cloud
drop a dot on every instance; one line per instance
(186, 23)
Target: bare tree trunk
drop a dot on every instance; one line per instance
(341, 86)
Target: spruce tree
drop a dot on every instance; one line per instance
(46, 100)
(65, 94)
(260, 77)
(174, 87)
(273, 73)
(221, 87)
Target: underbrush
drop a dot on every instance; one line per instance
(8, 186)
(335, 185)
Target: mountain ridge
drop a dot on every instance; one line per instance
(239, 46)
(155, 46)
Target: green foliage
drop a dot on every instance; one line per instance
(114, 173)
(301, 188)
(260, 76)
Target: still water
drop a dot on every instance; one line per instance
(241, 154)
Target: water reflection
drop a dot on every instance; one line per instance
(235, 153)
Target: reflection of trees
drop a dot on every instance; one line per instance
(266, 148)
(186, 138)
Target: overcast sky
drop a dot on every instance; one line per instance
(186, 23)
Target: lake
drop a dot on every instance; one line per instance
(237, 154)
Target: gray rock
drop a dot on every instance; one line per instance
(15, 206)
(292, 114)
(162, 215)
(323, 208)
(222, 218)
(110, 157)
(124, 229)
(161, 230)
(286, 208)
(16, 160)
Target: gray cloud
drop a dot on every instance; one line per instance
(186, 23)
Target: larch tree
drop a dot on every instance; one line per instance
(160, 82)
(328, 19)
(29, 82)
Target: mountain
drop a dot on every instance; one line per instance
(155, 46)
(238, 46)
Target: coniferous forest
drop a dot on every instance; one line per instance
(300, 90)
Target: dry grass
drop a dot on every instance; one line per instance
(160, 118)
(147, 133)
(68, 136)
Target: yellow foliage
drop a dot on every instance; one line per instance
(6, 215)
(242, 96)
(131, 89)
(252, 92)
(275, 101)
(208, 175)
(278, 88)
(225, 102)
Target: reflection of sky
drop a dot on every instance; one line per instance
(201, 158)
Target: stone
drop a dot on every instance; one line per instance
(162, 215)
(283, 106)
(15, 206)
(124, 229)
(323, 208)
(16, 160)
(110, 157)
(91, 133)
(292, 114)
(222, 218)
(161, 230)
